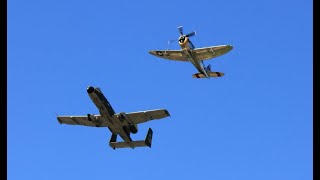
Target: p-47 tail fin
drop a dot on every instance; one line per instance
(132, 144)
(210, 74)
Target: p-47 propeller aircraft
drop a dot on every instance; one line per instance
(194, 55)
(122, 124)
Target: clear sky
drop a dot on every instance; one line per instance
(254, 123)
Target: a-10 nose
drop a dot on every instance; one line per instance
(90, 89)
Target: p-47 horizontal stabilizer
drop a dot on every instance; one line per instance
(211, 74)
(147, 142)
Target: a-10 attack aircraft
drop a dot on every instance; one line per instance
(194, 55)
(119, 124)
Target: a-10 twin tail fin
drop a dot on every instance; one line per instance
(147, 142)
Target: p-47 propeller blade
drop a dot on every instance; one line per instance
(191, 34)
(180, 29)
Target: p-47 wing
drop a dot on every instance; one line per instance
(211, 52)
(170, 54)
(199, 53)
(96, 120)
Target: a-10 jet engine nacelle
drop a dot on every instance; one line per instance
(133, 128)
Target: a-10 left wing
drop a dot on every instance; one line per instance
(96, 120)
(88, 120)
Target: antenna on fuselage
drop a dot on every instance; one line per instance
(169, 43)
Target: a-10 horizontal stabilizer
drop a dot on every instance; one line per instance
(211, 74)
(133, 144)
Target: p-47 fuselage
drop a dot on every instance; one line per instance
(189, 53)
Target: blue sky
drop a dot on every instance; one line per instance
(253, 123)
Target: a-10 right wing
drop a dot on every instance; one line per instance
(144, 116)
